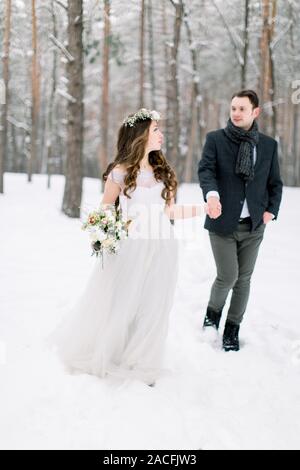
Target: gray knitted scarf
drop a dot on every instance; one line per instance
(247, 140)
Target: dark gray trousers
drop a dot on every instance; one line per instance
(235, 256)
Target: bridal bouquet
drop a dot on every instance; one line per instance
(106, 229)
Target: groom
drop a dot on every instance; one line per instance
(240, 179)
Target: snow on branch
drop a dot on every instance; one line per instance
(66, 95)
(19, 124)
(61, 47)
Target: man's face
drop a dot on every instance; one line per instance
(242, 113)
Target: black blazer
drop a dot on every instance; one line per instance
(216, 172)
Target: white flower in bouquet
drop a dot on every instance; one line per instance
(98, 235)
(93, 236)
(101, 235)
(109, 242)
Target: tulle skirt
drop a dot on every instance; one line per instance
(118, 325)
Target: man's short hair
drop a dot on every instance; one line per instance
(250, 94)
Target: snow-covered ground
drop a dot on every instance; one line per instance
(209, 400)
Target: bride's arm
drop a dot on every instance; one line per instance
(176, 211)
(111, 193)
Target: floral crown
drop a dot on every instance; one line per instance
(141, 115)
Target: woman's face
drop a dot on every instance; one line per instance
(155, 138)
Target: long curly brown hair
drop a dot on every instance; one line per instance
(131, 146)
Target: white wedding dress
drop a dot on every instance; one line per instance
(119, 324)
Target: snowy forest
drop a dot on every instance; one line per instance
(71, 71)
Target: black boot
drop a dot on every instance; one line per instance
(231, 337)
(212, 318)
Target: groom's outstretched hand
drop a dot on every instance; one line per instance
(213, 207)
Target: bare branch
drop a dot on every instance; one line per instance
(174, 3)
(282, 33)
(236, 48)
(61, 4)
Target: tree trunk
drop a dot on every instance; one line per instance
(246, 45)
(105, 90)
(194, 127)
(142, 53)
(75, 112)
(273, 81)
(17, 161)
(4, 95)
(173, 113)
(268, 121)
(195, 115)
(50, 127)
(151, 54)
(296, 145)
(166, 58)
(35, 98)
(296, 120)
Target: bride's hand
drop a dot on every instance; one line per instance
(214, 207)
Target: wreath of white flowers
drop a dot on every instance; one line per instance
(141, 115)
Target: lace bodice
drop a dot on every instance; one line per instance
(145, 178)
(148, 189)
(146, 203)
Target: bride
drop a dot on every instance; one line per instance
(119, 324)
